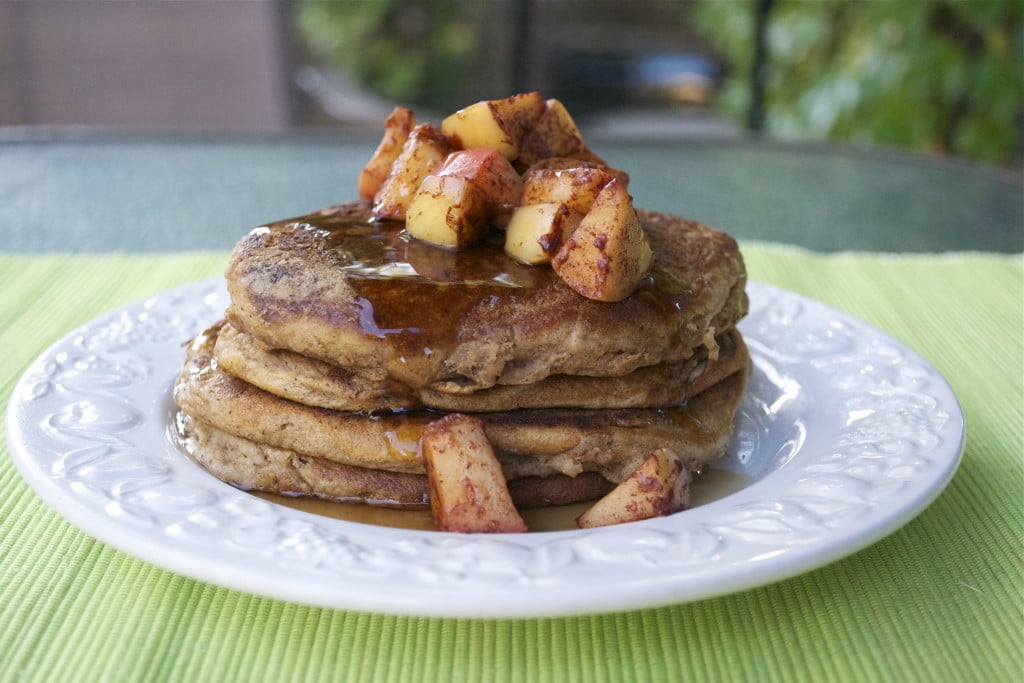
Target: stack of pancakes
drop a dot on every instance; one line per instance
(344, 338)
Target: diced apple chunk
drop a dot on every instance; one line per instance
(563, 163)
(487, 168)
(447, 210)
(468, 491)
(659, 486)
(536, 231)
(424, 149)
(499, 124)
(576, 185)
(396, 132)
(608, 256)
(554, 135)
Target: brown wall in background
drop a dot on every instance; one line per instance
(197, 64)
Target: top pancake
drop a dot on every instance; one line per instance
(362, 295)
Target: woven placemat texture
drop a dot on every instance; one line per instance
(940, 599)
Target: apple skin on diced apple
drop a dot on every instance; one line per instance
(424, 149)
(536, 232)
(498, 124)
(487, 168)
(659, 486)
(608, 256)
(396, 131)
(468, 490)
(449, 211)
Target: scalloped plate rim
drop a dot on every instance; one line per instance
(458, 592)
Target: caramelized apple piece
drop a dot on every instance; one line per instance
(576, 186)
(608, 256)
(447, 210)
(499, 124)
(468, 491)
(424, 149)
(536, 231)
(396, 132)
(554, 135)
(562, 163)
(659, 486)
(485, 167)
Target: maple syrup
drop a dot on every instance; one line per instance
(423, 297)
(708, 486)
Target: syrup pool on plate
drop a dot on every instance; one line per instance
(708, 486)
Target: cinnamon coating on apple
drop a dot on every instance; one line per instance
(518, 164)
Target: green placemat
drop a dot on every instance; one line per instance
(941, 599)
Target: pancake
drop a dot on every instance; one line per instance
(257, 467)
(316, 383)
(361, 295)
(542, 442)
(306, 380)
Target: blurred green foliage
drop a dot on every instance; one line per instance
(941, 76)
(411, 51)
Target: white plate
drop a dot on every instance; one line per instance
(845, 434)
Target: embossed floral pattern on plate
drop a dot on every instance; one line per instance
(845, 435)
